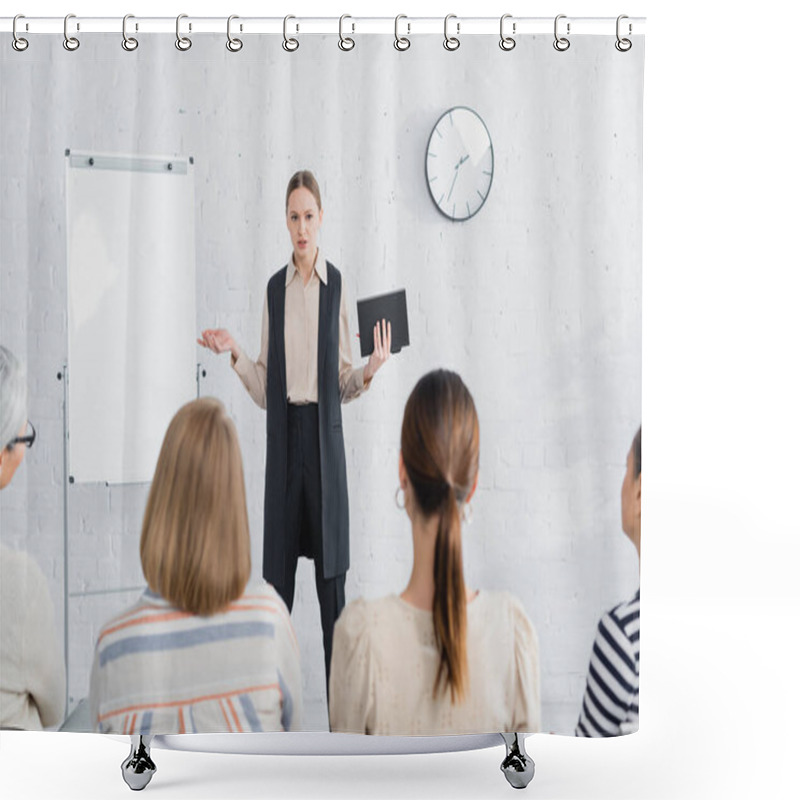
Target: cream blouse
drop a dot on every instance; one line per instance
(385, 661)
(32, 672)
(301, 327)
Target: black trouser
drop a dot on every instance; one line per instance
(304, 522)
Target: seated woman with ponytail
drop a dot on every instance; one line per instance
(438, 658)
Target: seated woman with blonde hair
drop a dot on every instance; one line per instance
(438, 658)
(195, 654)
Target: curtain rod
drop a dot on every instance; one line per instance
(349, 25)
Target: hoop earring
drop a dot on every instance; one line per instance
(397, 497)
(466, 513)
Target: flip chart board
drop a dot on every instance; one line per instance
(131, 315)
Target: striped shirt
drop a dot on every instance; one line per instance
(161, 670)
(611, 700)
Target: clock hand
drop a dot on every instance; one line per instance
(463, 159)
(453, 183)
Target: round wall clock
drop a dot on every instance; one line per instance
(460, 163)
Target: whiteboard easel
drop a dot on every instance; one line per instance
(131, 314)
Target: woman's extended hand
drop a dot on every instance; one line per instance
(382, 336)
(218, 340)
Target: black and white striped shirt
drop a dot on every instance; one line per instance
(611, 699)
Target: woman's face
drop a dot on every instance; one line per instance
(631, 500)
(303, 219)
(11, 459)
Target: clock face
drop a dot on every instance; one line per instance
(460, 163)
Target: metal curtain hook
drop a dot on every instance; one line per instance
(561, 43)
(70, 42)
(623, 44)
(289, 44)
(128, 42)
(345, 42)
(18, 43)
(183, 43)
(451, 42)
(233, 44)
(401, 42)
(507, 42)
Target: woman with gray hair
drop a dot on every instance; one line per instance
(32, 675)
(12, 415)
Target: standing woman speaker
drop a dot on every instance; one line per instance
(302, 376)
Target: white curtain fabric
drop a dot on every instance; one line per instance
(535, 301)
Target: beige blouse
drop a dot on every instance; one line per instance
(32, 673)
(301, 329)
(385, 661)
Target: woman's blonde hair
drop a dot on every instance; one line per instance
(195, 545)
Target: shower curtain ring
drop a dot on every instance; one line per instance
(183, 43)
(289, 44)
(623, 44)
(18, 43)
(70, 42)
(561, 43)
(451, 42)
(401, 42)
(507, 42)
(128, 42)
(346, 43)
(233, 44)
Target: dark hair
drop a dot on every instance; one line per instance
(440, 446)
(636, 448)
(304, 179)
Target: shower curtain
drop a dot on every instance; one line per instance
(495, 194)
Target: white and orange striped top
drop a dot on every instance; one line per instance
(160, 670)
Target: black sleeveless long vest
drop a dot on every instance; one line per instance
(335, 519)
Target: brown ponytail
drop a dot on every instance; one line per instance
(440, 445)
(450, 603)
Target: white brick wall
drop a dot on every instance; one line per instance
(536, 301)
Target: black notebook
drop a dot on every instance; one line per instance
(392, 308)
